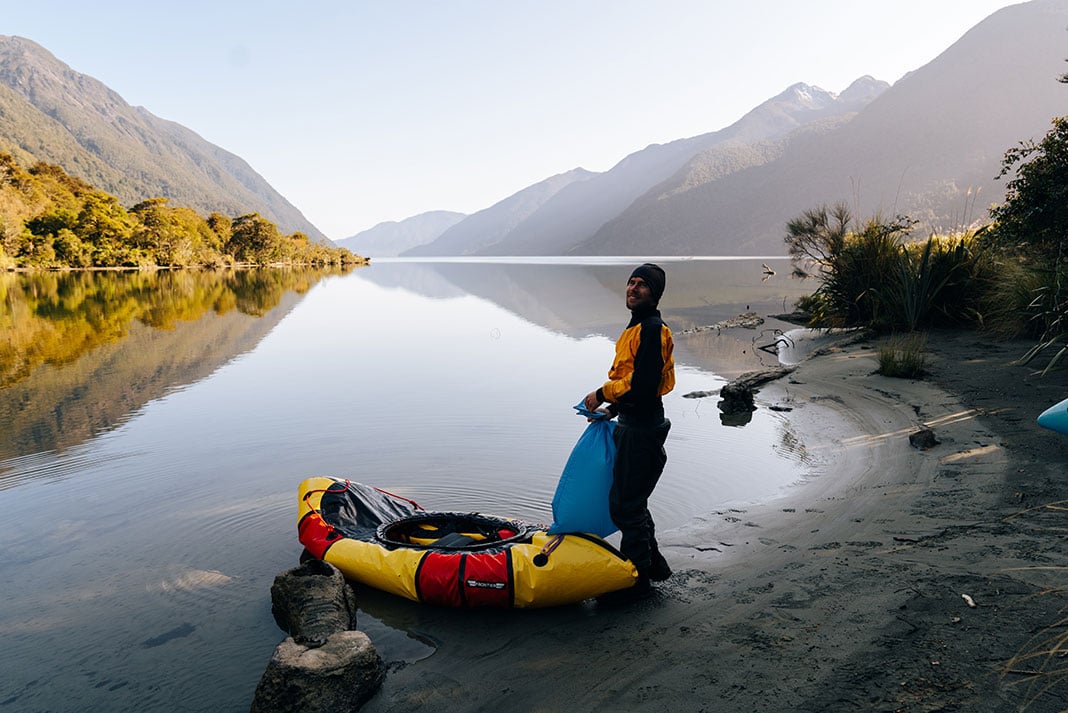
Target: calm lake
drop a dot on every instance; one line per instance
(156, 428)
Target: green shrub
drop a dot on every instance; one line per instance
(874, 276)
(939, 282)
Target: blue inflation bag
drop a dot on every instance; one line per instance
(581, 500)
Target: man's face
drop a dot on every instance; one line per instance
(639, 294)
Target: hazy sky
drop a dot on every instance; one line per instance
(363, 112)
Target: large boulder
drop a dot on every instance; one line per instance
(337, 677)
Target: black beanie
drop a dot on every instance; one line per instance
(654, 277)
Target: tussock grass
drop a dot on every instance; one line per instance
(903, 356)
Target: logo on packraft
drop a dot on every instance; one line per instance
(485, 585)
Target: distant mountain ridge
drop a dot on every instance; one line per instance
(49, 112)
(489, 226)
(391, 238)
(577, 210)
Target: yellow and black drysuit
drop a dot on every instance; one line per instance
(642, 372)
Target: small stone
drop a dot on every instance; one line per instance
(923, 439)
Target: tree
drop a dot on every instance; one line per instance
(70, 250)
(255, 239)
(106, 226)
(221, 227)
(52, 221)
(815, 237)
(1035, 211)
(172, 236)
(1033, 220)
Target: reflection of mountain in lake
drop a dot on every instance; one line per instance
(570, 299)
(418, 278)
(83, 351)
(578, 300)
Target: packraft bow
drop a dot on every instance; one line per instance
(452, 559)
(1055, 417)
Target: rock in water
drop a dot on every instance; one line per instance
(313, 601)
(324, 665)
(337, 677)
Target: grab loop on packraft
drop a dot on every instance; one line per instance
(542, 558)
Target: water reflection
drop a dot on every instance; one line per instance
(82, 351)
(580, 299)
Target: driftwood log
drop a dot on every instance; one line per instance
(737, 395)
(324, 664)
(748, 320)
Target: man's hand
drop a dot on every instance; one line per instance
(591, 402)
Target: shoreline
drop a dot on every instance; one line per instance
(846, 593)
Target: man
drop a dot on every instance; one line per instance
(642, 372)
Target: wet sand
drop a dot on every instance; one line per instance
(853, 592)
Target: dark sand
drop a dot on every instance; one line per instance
(845, 595)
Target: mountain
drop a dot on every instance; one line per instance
(392, 238)
(49, 112)
(490, 225)
(929, 147)
(577, 210)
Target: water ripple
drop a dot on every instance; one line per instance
(52, 465)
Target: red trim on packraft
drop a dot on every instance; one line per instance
(437, 579)
(316, 535)
(458, 579)
(488, 580)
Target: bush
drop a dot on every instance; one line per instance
(940, 282)
(875, 277)
(851, 266)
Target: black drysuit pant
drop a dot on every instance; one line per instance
(640, 459)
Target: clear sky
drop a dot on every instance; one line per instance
(363, 112)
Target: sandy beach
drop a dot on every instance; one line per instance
(894, 579)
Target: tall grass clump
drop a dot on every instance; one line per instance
(1008, 299)
(903, 356)
(1031, 302)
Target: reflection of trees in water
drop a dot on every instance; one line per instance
(81, 351)
(56, 318)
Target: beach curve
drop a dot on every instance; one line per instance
(894, 578)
